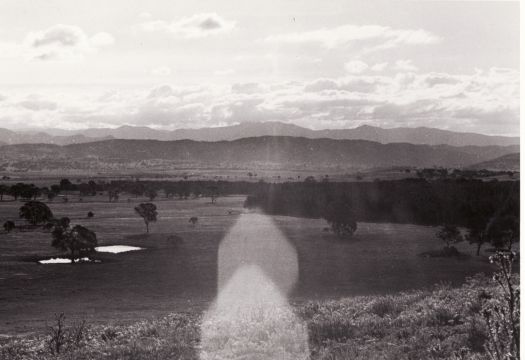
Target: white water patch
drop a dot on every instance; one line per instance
(251, 318)
(117, 249)
(64, 261)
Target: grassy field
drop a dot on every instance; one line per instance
(177, 271)
(441, 323)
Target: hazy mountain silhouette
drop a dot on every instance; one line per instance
(30, 137)
(419, 135)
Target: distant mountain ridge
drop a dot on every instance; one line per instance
(9, 137)
(419, 135)
(257, 152)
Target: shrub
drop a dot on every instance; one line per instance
(385, 306)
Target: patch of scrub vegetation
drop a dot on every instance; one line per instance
(476, 321)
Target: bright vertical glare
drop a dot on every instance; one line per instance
(251, 318)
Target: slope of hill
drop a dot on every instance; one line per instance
(262, 152)
(420, 135)
(28, 137)
(510, 162)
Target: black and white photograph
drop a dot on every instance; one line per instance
(259, 180)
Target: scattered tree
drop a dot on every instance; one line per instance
(148, 212)
(151, 194)
(9, 226)
(35, 212)
(450, 235)
(113, 194)
(213, 193)
(78, 240)
(194, 220)
(504, 231)
(4, 189)
(340, 217)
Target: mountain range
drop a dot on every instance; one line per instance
(281, 152)
(419, 135)
(9, 137)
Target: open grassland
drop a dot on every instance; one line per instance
(441, 323)
(177, 271)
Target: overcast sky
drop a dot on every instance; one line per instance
(320, 64)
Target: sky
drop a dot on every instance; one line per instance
(320, 64)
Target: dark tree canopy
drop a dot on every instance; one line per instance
(9, 226)
(193, 220)
(78, 240)
(503, 231)
(35, 212)
(148, 212)
(339, 214)
(449, 234)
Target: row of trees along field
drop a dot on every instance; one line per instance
(489, 210)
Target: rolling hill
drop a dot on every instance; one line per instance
(257, 152)
(509, 162)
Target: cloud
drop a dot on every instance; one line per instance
(196, 26)
(35, 104)
(376, 36)
(405, 65)
(379, 66)
(161, 71)
(224, 72)
(484, 101)
(59, 42)
(356, 66)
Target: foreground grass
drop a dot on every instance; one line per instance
(443, 323)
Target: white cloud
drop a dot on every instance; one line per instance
(145, 15)
(484, 101)
(376, 36)
(196, 26)
(379, 66)
(356, 66)
(224, 72)
(405, 65)
(161, 71)
(59, 42)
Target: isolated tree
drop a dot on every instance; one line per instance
(340, 217)
(213, 193)
(78, 240)
(90, 214)
(504, 231)
(4, 189)
(65, 184)
(113, 194)
(9, 226)
(194, 220)
(148, 212)
(35, 212)
(151, 194)
(449, 234)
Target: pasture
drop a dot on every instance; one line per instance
(177, 271)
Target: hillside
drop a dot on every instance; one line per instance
(510, 162)
(10, 137)
(259, 152)
(420, 135)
